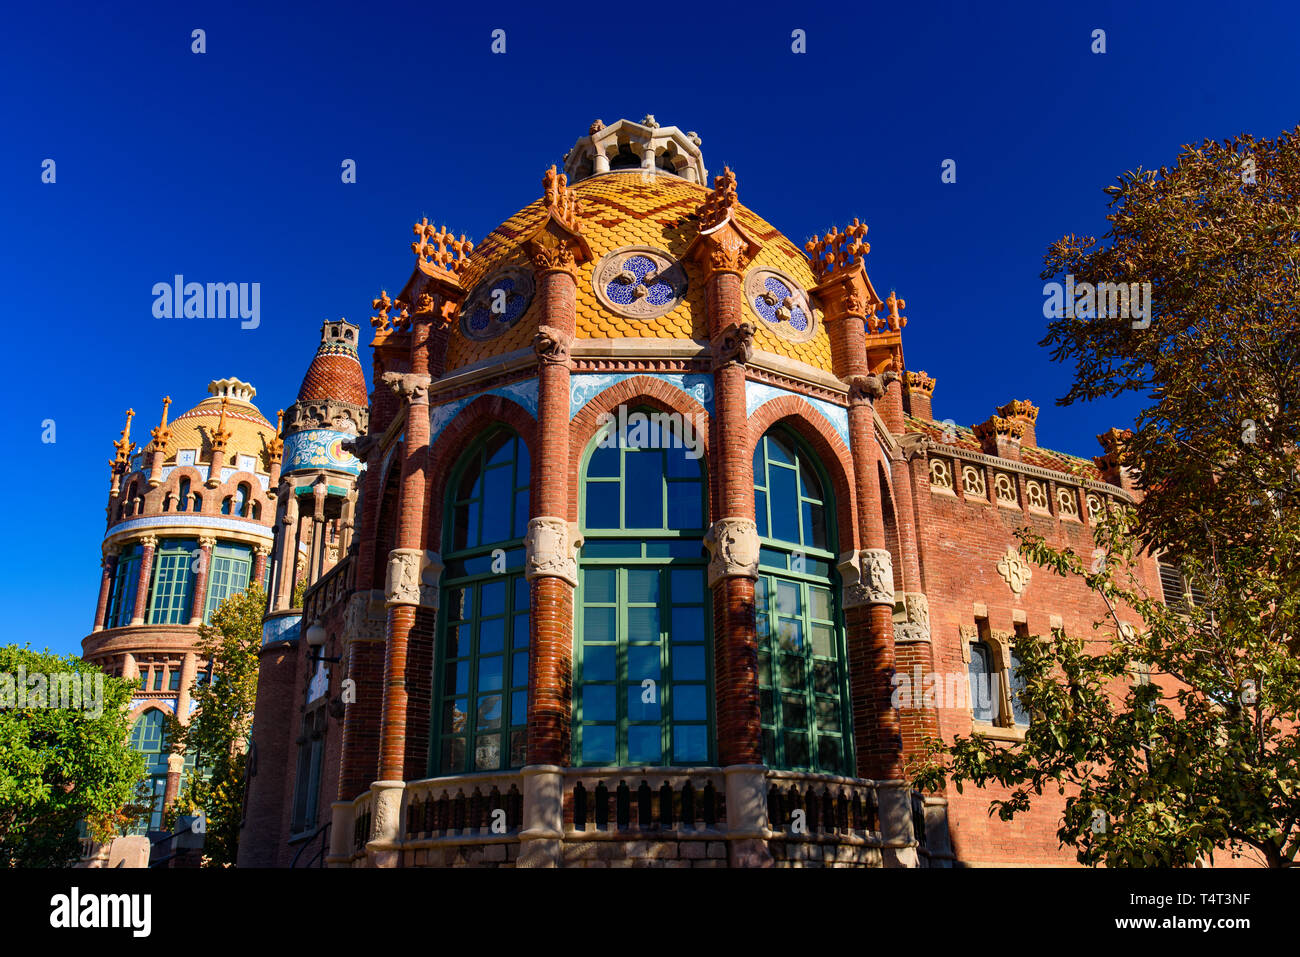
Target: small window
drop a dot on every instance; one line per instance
(174, 678)
(157, 679)
(983, 683)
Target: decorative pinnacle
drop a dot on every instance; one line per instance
(596, 127)
(561, 201)
(124, 445)
(896, 322)
(276, 446)
(438, 247)
(920, 382)
(1019, 408)
(837, 250)
(383, 305)
(221, 435)
(161, 434)
(650, 121)
(721, 200)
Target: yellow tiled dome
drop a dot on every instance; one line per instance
(250, 433)
(627, 209)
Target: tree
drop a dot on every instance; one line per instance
(218, 732)
(1177, 738)
(64, 756)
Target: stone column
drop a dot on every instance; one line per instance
(199, 597)
(259, 563)
(148, 544)
(543, 827)
(109, 563)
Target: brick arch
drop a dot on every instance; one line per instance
(456, 438)
(641, 390)
(154, 497)
(139, 710)
(256, 494)
(810, 425)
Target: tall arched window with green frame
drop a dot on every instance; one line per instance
(149, 737)
(642, 658)
(802, 673)
(480, 713)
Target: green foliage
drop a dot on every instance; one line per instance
(299, 590)
(218, 733)
(60, 766)
(1203, 757)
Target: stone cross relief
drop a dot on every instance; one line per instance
(1015, 571)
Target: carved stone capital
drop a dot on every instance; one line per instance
(262, 550)
(412, 578)
(868, 576)
(552, 345)
(551, 549)
(915, 624)
(149, 541)
(207, 541)
(733, 549)
(734, 345)
(364, 618)
(409, 385)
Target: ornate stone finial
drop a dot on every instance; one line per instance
(694, 137)
(383, 322)
(561, 202)
(124, 445)
(1110, 464)
(894, 320)
(650, 121)
(1114, 440)
(275, 448)
(720, 202)
(596, 127)
(920, 382)
(437, 247)
(837, 250)
(997, 425)
(161, 434)
(1019, 409)
(221, 435)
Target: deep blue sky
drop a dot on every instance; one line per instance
(225, 167)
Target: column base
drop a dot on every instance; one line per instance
(542, 835)
(895, 809)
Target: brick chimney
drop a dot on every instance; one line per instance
(919, 393)
(1001, 437)
(1026, 413)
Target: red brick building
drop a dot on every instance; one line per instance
(654, 518)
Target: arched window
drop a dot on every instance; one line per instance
(173, 582)
(184, 495)
(232, 566)
(149, 737)
(802, 673)
(241, 500)
(121, 600)
(226, 505)
(480, 715)
(642, 622)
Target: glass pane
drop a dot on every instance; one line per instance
(688, 624)
(765, 668)
(489, 673)
(814, 525)
(491, 635)
(521, 514)
(785, 518)
(826, 677)
(810, 484)
(828, 714)
(453, 755)
(981, 689)
(760, 478)
(598, 663)
(500, 448)
(644, 484)
(642, 624)
(521, 631)
(644, 745)
(690, 744)
(830, 755)
(687, 585)
(598, 745)
(778, 450)
(792, 675)
(488, 713)
(790, 635)
(685, 505)
(688, 662)
(458, 641)
(684, 462)
(598, 703)
(643, 702)
(519, 707)
(603, 463)
(769, 748)
(643, 585)
(614, 549)
(598, 584)
(519, 669)
(498, 494)
(598, 624)
(642, 662)
(787, 598)
(760, 514)
(689, 703)
(487, 752)
(819, 603)
(455, 711)
(796, 749)
(518, 748)
(457, 678)
(765, 707)
(492, 600)
(823, 640)
(602, 504)
(794, 711)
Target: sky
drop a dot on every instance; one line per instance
(225, 166)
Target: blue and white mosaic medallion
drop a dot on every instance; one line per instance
(496, 303)
(780, 303)
(639, 282)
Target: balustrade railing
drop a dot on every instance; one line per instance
(648, 800)
(475, 805)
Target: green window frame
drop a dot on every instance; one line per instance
(173, 582)
(804, 704)
(232, 567)
(480, 714)
(643, 686)
(121, 604)
(149, 737)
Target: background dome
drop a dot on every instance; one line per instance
(250, 433)
(622, 209)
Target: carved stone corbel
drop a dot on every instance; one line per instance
(915, 625)
(360, 445)
(868, 576)
(412, 578)
(552, 345)
(733, 549)
(734, 345)
(551, 549)
(914, 445)
(411, 386)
